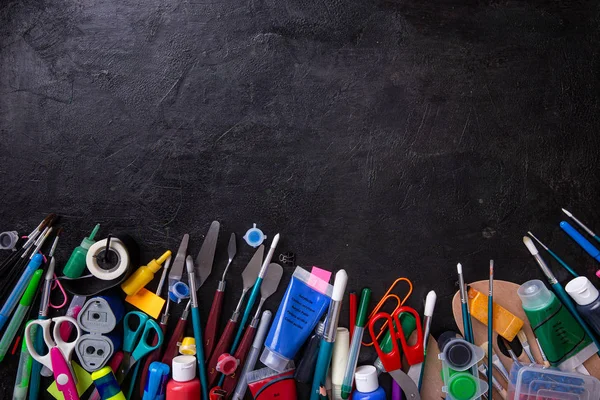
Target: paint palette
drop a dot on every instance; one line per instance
(505, 294)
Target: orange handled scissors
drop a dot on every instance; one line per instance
(414, 354)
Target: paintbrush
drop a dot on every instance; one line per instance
(495, 361)
(525, 344)
(494, 383)
(582, 225)
(546, 362)
(490, 326)
(553, 254)
(468, 329)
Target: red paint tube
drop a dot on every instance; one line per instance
(267, 384)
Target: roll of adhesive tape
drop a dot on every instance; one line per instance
(117, 267)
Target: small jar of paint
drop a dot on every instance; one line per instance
(367, 384)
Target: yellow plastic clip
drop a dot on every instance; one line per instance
(384, 299)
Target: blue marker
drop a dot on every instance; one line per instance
(156, 384)
(583, 242)
(19, 289)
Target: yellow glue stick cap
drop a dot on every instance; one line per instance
(188, 346)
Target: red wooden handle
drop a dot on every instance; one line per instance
(210, 332)
(222, 346)
(242, 351)
(153, 356)
(177, 337)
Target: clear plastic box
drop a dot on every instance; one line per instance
(535, 383)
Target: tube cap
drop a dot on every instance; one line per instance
(227, 364)
(184, 368)
(534, 294)
(274, 360)
(254, 236)
(366, 379)
(582, 291)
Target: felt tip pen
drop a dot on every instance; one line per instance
(331, 324)
(19, 289)
(19, 315)
(24, 370)
(361, 320)
(580, 240)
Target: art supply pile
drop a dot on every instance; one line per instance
(112, 341)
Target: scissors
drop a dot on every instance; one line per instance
(58, 359)
(132, 352)
(414, 354)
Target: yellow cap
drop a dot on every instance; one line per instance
(154, 265)
(188, 346)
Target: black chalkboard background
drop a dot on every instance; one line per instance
(390, 138)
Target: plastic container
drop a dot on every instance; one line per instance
(367, 384)
(143, 275)
(459, 370)
(534, 383)
(558, 333)
(184, 385)
(76, 263)
(587, 298)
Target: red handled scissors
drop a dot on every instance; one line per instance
(414, 354)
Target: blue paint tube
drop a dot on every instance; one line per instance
(305, 300)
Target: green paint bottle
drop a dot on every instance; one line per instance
(76, 264)
(559, 334)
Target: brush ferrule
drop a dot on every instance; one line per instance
(545, 269)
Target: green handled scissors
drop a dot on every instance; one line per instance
(135, 346)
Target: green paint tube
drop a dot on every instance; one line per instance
(558, 333)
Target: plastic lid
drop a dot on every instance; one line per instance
(8, 240)
(188, 346)
(227, 364)
(366, 379)
(254, 236)
(534, 295)
(463, 386)
(274, 360)
(582, 291)
(459, 354)
(86, 243)
(184, 368)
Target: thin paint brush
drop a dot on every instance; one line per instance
(490, 327)
(582, 225)
(553, 254)
(495, 360)
(468, 329)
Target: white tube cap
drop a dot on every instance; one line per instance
(366, 379)
(184, 368)
(582, 291)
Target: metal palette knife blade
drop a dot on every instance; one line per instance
(206, 256)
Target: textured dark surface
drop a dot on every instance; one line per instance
(390, 138)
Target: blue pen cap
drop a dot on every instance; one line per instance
(578, 237)
(156, 384)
